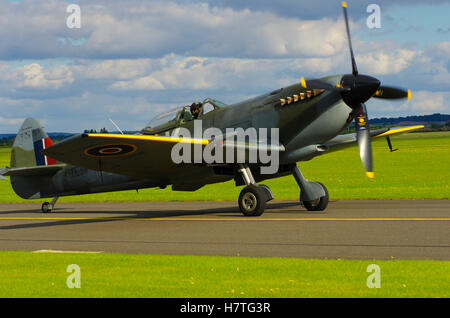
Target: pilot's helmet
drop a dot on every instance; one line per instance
(195, 105)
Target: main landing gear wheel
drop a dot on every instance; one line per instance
(46, 207)
(252, 200)
(318, 204)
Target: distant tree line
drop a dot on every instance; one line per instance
(105, 131)
(441, 118)
(435, 122)
(94, 131)
(6, 141)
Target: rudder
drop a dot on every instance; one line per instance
(30, 141)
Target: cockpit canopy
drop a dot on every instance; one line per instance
(175, 117)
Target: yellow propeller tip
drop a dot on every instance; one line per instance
(370, 174)
(303, 82)
(409, 94)
(344, 4)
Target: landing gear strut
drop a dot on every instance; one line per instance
(252, 199)
(313, 195)
(48, 207)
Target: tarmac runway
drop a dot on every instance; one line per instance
(397, 229)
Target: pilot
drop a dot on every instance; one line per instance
(195, 109)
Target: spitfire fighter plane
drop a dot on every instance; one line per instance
(309, 115)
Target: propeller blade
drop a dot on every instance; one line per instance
(363, 138)
(388, 92)
(320, 84)
(354, 68)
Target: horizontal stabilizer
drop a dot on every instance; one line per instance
(32, 171)
(2, 172)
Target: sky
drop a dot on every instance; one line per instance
(130, 60)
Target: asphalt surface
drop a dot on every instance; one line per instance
(403, 229)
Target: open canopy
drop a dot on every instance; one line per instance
(177, 116)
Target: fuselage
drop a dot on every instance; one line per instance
(305, 119)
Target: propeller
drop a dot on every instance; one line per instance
(388, 92)
(362, 87)
(355, 90)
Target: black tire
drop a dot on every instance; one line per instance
(252, 201)
(319, 204)
(268, 193)
(46, 207)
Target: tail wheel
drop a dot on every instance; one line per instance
(46, 207)
(318, 204)
(252, 200)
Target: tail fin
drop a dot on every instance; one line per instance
(30, 141)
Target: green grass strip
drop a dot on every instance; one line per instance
(26, 274)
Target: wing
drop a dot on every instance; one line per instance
(138, 156)
(399, 130)
(347, 140)
(141, 156)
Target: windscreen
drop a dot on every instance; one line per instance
(166, 118)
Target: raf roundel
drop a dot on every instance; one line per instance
(110, 150)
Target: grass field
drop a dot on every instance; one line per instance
(419, 170)
(26, 274)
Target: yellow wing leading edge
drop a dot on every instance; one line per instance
(399, 130)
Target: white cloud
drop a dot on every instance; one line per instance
(154, 28)
(421, 103)
(199, 73)
(120, 69)
(426, 102)
(11, 121)
(36, 77)
(142, 83)
(381, 62)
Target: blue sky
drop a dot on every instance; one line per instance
(133, 59)
(421, 23)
